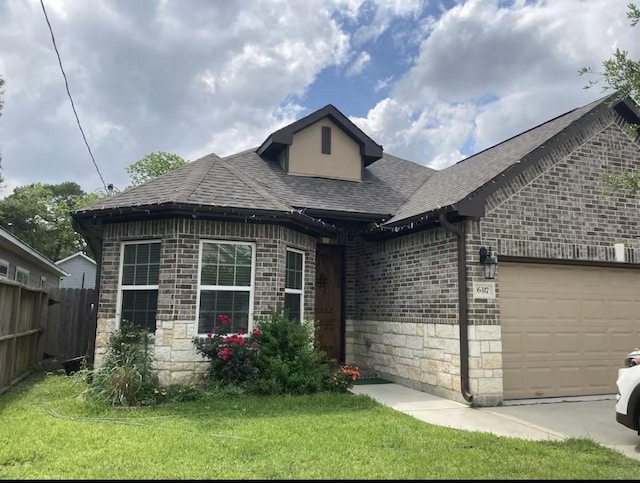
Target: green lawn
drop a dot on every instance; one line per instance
(47, 432)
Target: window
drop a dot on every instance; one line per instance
(4, 269)
(326, 140)
(139, 272)
(225, 285)
(22, 276)
(294, 285)
(43, 281)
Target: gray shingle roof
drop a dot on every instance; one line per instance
(387, 184)
(245, 180)
(209, 181)
(453, 184)
(392, 188)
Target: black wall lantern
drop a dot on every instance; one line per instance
(488, 262)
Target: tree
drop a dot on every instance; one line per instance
(621, 74)
(39, 214)
(153, 165)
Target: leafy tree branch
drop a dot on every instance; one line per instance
(621, 74)
(153, 165)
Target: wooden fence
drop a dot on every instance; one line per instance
(71, 323)
(22, 322)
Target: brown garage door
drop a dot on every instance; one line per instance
(566, 329)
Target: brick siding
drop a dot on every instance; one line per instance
(401, 294)
(407, 298)
(177, 285)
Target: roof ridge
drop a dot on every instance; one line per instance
(259, 188)
(4, 233)
(595, 104)
(564, 123)
(185, 189)
(240, 153)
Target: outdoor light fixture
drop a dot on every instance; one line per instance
(488, 262)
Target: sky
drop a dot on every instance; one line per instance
(432, 81)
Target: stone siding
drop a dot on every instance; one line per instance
(404, 326)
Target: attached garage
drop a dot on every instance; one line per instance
(566, 328)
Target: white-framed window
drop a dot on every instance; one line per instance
(4, 269)
(43, 281)
(226, 274)
(22, 275)
(294, 285)
(139, 273)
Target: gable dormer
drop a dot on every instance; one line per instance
(324, 144)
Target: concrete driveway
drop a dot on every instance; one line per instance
(593, 418)
(555, 419)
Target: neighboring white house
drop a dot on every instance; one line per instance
(81, 270)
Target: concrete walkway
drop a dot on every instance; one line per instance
(452, 414)
(555, 420)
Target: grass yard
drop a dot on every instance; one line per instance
(47, 432)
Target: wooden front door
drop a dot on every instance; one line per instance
(328, 314)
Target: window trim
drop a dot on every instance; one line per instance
(296, 291)
(230, 288)
(23, 271)
(4, 263)
(135, 287)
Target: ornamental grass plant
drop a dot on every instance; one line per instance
(127, 376)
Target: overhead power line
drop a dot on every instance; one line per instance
(66, 83)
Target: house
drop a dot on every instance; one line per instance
(81, 270)
(23, 264)
(389, 256)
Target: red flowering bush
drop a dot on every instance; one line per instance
(343, 377)
(232, 356)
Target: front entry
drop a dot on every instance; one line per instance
(329, 303)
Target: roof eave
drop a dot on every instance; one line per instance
(424, 221)
(77, 254)
(473, 204)
(31, 251)
(133, 213)
(280, 139)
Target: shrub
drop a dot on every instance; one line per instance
(127, 377)
(231, 355)
(287, 361)
(278, 357)
(340, 378)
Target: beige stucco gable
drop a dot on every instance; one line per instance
(306, 157)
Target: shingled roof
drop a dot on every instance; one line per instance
(209, 181)
(393, 189)
(247, 183)
(447, 188)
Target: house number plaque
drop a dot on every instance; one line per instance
(484, 290)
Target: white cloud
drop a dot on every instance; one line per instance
(196, 76)
(487, 71)
(149, 76)
(358, 65)
(382, 83)
(431, 137)
(383, 12)
(8, 185)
